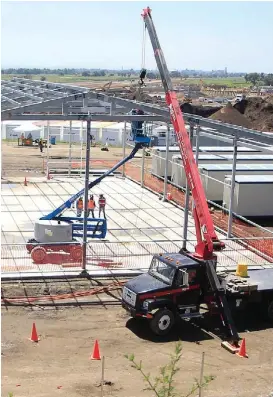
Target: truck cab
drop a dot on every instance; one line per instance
(170, 289)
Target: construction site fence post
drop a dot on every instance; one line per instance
(123, 147)
(88, 142)
(234, 161)
(187, 200)
(166, 162)
(69, 152)
(47, 148)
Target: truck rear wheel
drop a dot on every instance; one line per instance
(162, 322)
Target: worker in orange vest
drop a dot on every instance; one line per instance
(91, 206)
(79, 206)
(102, 203)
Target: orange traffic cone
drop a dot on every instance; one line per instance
(25, 183)
(96, 352)
(34, 335)
(242, 350)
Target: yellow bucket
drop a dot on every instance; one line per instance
(241, 270)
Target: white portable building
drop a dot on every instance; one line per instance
(213, 176)
(159, 155)
(178, 174)
(252, 195)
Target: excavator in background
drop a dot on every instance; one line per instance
(177, 285)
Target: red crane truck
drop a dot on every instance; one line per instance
(177, 284)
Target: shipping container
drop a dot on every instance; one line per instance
(253, 195)
(214, 188)
(179, 178)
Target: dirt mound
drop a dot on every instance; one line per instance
(231, 116)
(259, 111)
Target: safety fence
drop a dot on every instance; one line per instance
(132, 255)
(241, 229)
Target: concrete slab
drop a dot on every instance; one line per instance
(139, 225)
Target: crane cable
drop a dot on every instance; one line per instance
(143, 60)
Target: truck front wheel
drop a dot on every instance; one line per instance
(162, 322)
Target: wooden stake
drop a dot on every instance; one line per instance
(102, 375)
(201, 374)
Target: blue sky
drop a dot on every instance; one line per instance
(193, 35)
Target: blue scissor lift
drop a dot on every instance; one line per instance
(96, 227)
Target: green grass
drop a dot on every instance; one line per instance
(54, 78)
(231, 82)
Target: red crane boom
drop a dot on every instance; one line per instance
(207, 240)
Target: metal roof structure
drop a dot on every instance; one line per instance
(25, 99)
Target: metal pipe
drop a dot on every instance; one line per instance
(88, 140)
(166, 163)
(123, 147)
(196, 152)
(69, 152)
(187, 201)
(143, 167)
(81, 134)
(143, 160)
(47, 150)
(235, 147)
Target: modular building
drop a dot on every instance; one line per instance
(178, 175)
(252, 195)
(213, 176)
(159, 155)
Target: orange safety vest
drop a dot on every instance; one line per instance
(91, 204)
(80, 204)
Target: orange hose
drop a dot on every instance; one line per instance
(95, 291)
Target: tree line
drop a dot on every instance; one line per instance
(259, 78)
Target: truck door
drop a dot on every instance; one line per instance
(190, 293)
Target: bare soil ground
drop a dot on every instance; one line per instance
(21, 161)
(59, 364)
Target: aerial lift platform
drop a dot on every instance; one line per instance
(57, 237)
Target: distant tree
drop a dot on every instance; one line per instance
(151, 75)
(175, 74)
(253, 78)
(268, 79)
(85, 74)
(42, 78)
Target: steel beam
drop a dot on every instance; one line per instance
(231, 200)
(87, 158)
(166, 163)
(81, 117)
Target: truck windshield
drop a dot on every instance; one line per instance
(162, 271)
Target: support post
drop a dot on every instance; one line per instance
(102, 375)
(235, 150)
(187, 201)
(81, 136)
(69, 150)
(142, 167)
(196, 151)
(88, 140)
(166, 163)
(201, 375)
(47, 149)
(123, 148)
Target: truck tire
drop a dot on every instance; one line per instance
(162, 322)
